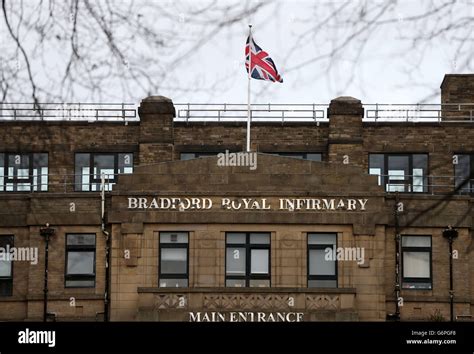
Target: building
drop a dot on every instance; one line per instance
(308, 233)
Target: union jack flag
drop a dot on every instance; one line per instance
(263, 67)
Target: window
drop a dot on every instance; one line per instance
(6, 266)
(196, 155)
(322, 271)
(312, 156)
(80, 261)
(464, 173)
(400, 172)
(247, 259)
(416, 262)
(23, 172)
(89, 168)
(174, 253)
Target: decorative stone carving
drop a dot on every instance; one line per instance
(170, 301)
(246, 302)
(323, 302)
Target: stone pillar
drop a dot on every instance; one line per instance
(457, 97)
(156, 130)
(345, 131)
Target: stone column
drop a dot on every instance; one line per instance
(156, 130)
(345, 143)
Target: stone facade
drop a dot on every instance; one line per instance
(364, 292)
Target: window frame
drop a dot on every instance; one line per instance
(177, 245)
(80, 248)
(469, 185)
(313, 277)
(248, 262)
(30, 180)
(10, 278)
(297, 153)
(407, 183)
(78, 187)
(201, 154)
(429, 250)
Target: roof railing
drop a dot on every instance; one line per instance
(73, 183)
(317, 112)
(91, 112)
(230, 112)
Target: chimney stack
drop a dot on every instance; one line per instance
(457, 97)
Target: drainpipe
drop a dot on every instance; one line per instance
(451, 234)
(397, 261)
(107, 252)
(396, 316)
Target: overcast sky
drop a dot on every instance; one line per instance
(390, 69)
(380, 65)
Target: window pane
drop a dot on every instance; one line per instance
(238, 283)
(2, 172)
(322, 283)
(82, 172)
(416, 241)
(318, 265)
(173, 283)
(314, 157)
(205, 154)
(397, 171)
(40, 172)
(322, 239)
(260, 239)
(104, 164)
(393, 176)
(420, 170)
(6, 287)
(5, 268)
(376, 166)
(173, 237)
(173, 261)
(235, 261)
(19, 169)
(80, 239)
(259, 283)
(80, 283)
(80, 263)
(420, 161)
(462, 172)
(416, 264)
(259, 261)
(416, 285)
(19, 166)
(418, 180)
(187, 156)
(398, 163)
(238, 238)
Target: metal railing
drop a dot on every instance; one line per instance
(229, 112)
(418, 113)
(429, 184)
(312, 112)
(74, 183)
(90, 112)
(317, 112)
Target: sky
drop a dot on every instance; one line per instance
(376, 64)
(389, 70)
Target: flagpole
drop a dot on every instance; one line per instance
(248, 89)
